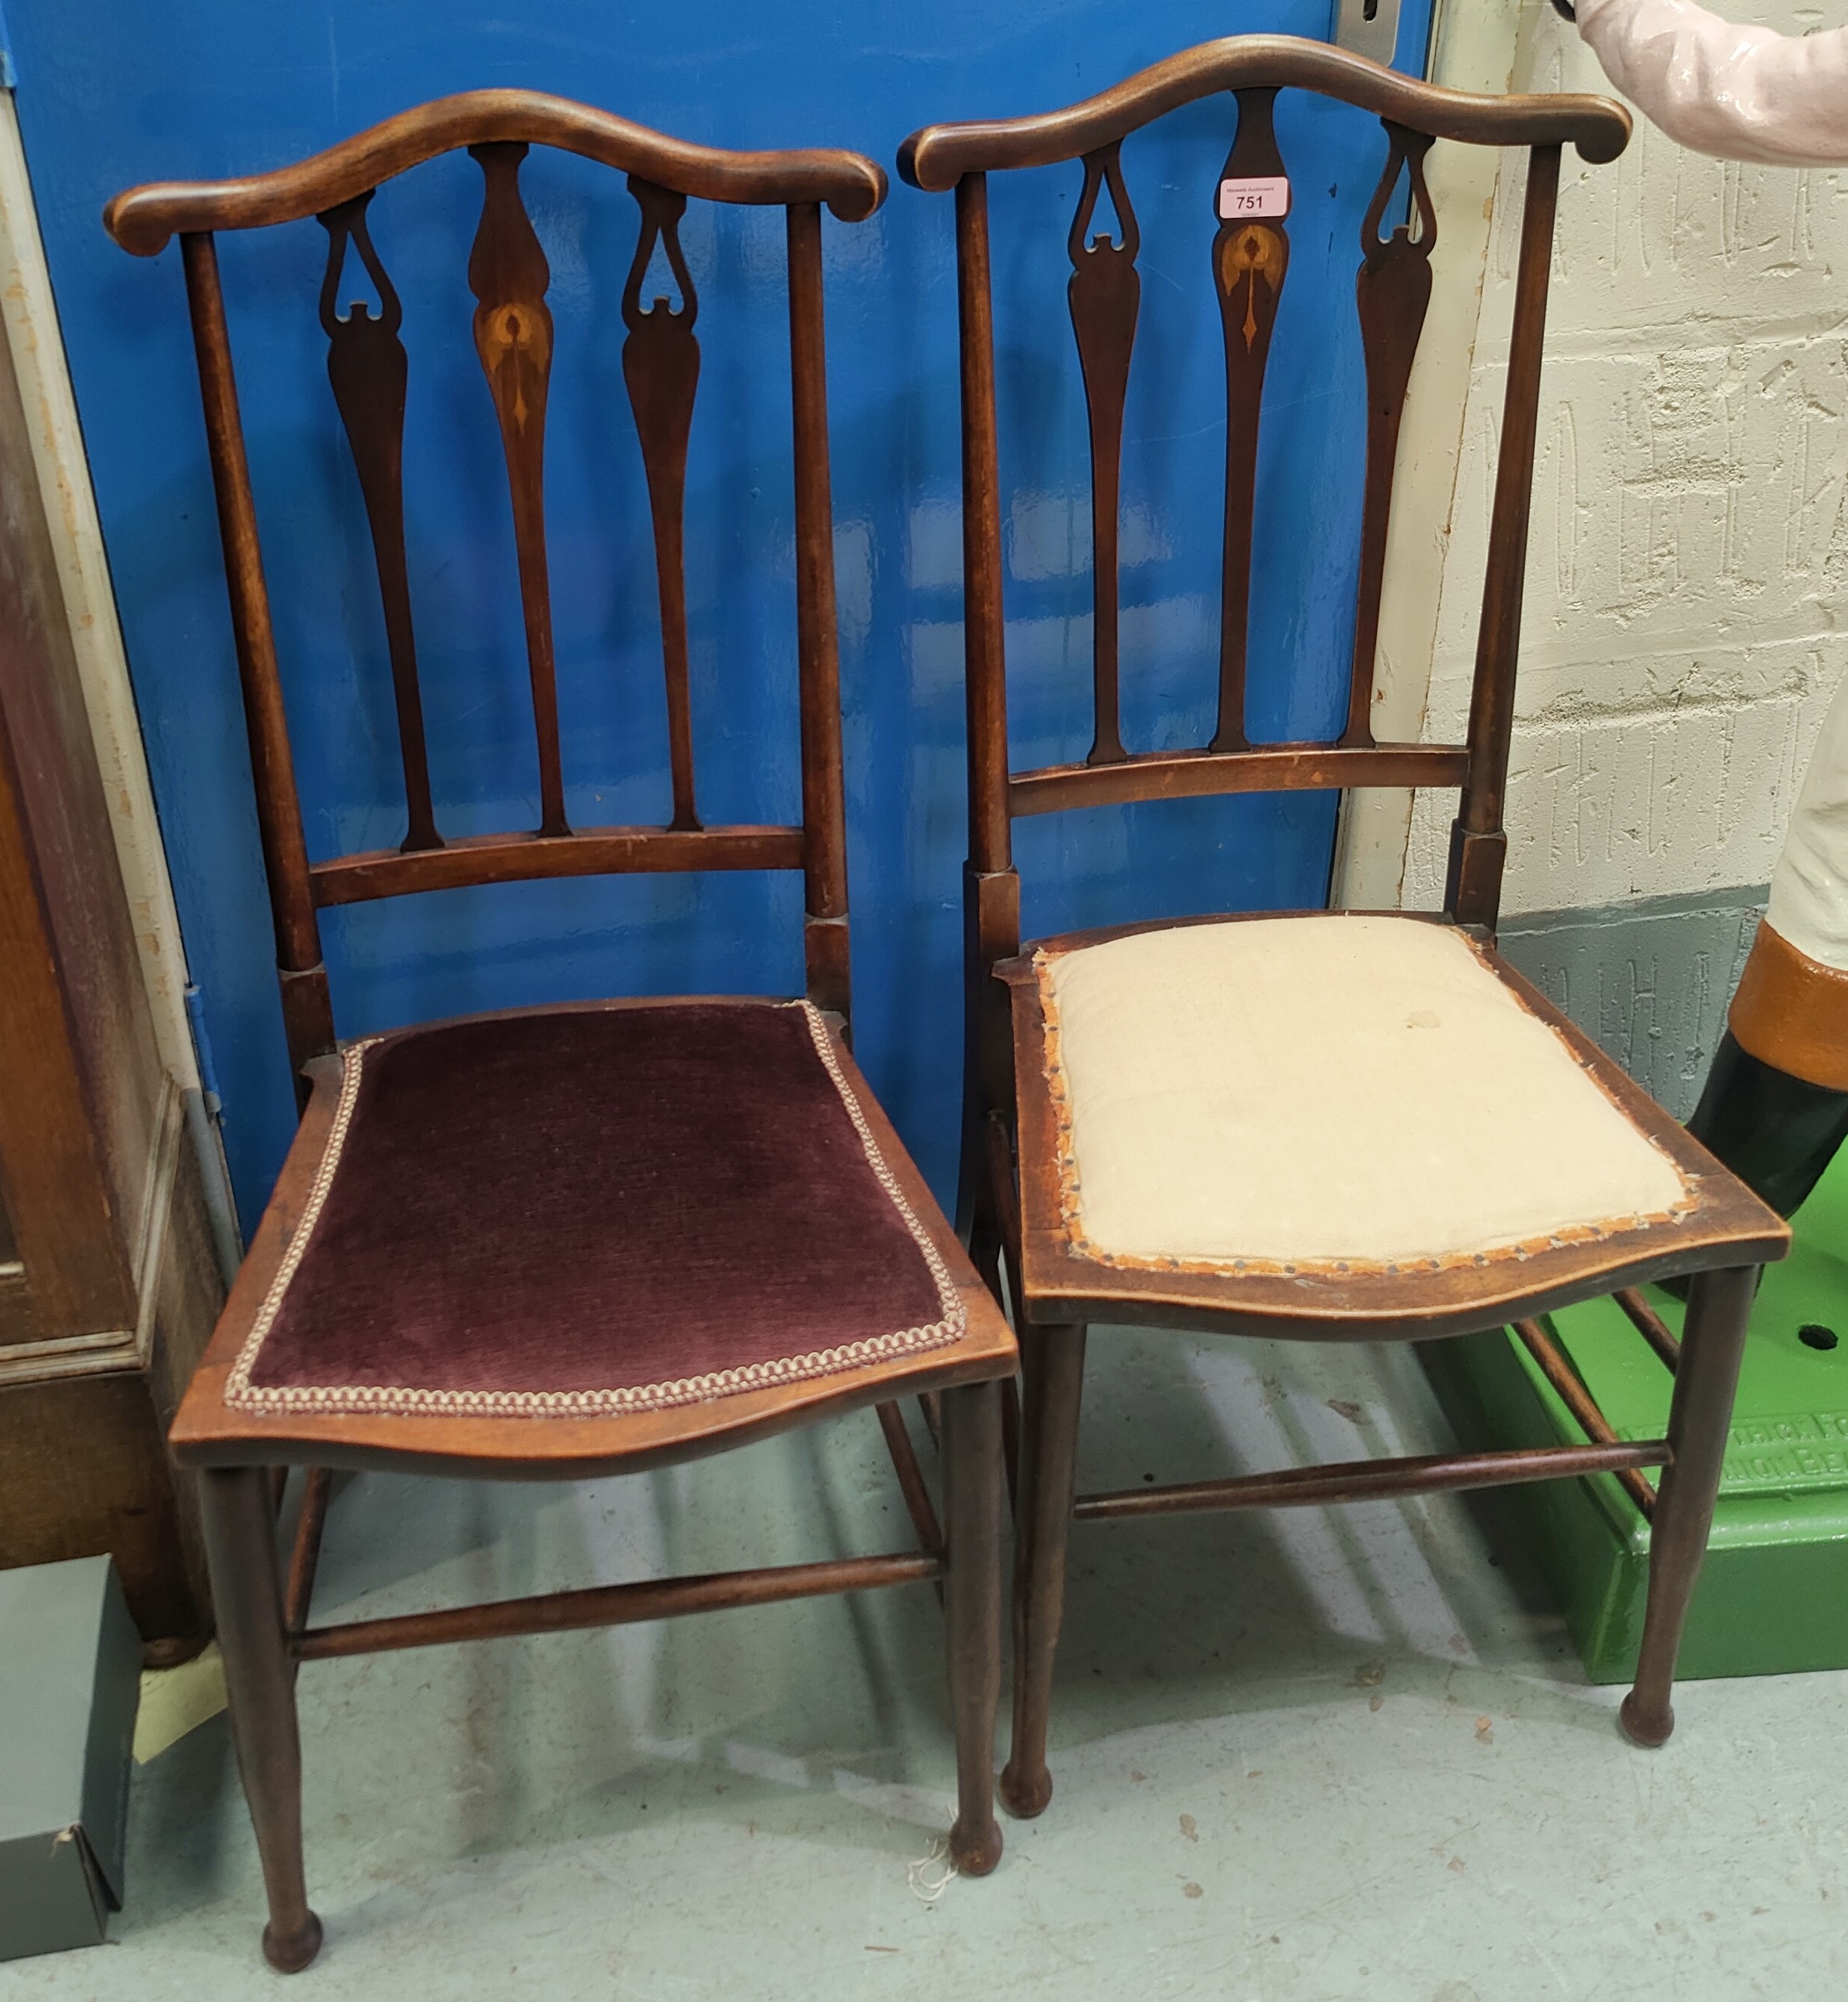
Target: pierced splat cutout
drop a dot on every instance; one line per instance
(369, 370)
(1393, 294)
(660, 367)
(1249, 261)
(1105, 293)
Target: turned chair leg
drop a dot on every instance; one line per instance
(259, 1680)
(972, 1604)
(1719, 1308)
(1052, 1364)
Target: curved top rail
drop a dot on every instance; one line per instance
(939, 156)
(142, 219)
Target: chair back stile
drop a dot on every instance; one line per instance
(368, 372)
(1249, 258)
(1478, 841)
(307, 1004)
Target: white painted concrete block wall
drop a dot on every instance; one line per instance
(1681, 635)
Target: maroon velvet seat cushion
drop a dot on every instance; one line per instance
(593, 1211)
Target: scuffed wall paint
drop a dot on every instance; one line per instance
(1648, 979)
(1681, 636)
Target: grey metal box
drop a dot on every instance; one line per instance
(70, 1680)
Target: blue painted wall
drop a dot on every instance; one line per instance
(120, 91)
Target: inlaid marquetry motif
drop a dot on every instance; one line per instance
(1255, 256)
(1392, 294)
(508, 275)
(1105, 293)
(660, 368)
(369, 371)
(1250, 260)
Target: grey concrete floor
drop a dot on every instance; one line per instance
(1320, 1754)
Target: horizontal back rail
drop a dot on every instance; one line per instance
(1193, 775)
(142, 219)
(586, 851)
(937, 158)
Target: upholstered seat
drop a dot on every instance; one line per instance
(1329, 1091)
(592, 1212)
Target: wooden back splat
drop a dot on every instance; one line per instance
(1251, 259)
(1392, 294)
(1104, 293)
(660, 366)
(508, 275)
(368, 371)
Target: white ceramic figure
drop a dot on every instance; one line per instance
(1742, 93)
(1776, 1105)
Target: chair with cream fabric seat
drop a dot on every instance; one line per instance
(1318, 1125)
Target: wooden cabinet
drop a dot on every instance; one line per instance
(108, 1284)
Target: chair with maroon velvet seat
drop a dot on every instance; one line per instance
(1319, 1126)
(561, 1242)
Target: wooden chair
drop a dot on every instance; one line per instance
(558, 1242)
(1321, 1126)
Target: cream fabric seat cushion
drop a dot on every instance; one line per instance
(1325, 1088)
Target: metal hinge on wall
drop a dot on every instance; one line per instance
(208, 1077)
(1368, 27)
(204, 1113)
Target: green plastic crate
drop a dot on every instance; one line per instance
(1774, 1594)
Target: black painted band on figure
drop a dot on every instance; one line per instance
(1775, 1131)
